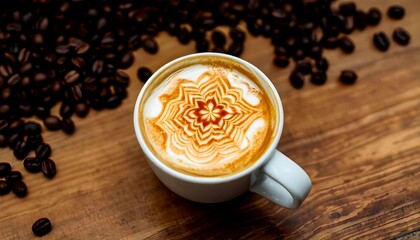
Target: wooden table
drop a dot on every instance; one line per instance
(360, 145)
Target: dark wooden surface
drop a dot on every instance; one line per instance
(360, 145)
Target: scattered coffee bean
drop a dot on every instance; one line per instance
(347, 8)
(281, 61)
(150, 45)
(184, 35)
(330, 42)
(304, 67)
(81, 109)
(43, 151)
(202, 45)
(5, 168)
(32, 164)
(126, 60)
(19, 189)
(32, 128)
(381, 41)
(238, 36)
(396, 12)
(33, 141)
(296, 79)
(48, 168)
(41, 227)
(318, 78)
(21, 150)
(348, 77)
(235, 49)
(67, 125)
(144, 73)
(4, 187)
(13, 176)
(218, 38)
(322, 64)
(346, 45)
(52, 123)
(401, 36)
(316, 52)
(66, 110)
(374, 16)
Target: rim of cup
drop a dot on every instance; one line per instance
(216, 179)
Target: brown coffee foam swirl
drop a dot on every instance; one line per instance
(204, 123)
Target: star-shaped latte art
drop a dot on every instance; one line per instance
(207, 120)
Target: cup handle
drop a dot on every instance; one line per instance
(282, 181)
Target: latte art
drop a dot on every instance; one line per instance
(207, 120)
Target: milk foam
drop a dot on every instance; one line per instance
(179, 134)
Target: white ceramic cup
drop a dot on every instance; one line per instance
(273, 176)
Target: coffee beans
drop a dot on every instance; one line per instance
(304, 67)
(396, 12)
(150, 45)
(401, 36)
(4, 187)
(322, 64)
(218, 38)
(52, 123)
(41, 227)
(19, 189)
(32, 164)
(348, 77)
(67, 125)
(48, 168)
(374, 16)
(381, 41)
(13, 176)
(43, 151)
(32, 128)
(346, 45)
(4, 169)
(21, 150)
(144, 73)
(318, 78)
(296, 79)
(281, 61)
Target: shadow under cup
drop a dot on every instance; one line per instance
(214, 188)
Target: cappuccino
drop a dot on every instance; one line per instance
(207, 117)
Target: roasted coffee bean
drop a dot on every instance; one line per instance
(126, 60)
(21, 150)
(318, 78)
(381, 41)
(33, 141)
(202, 45)
(14, 139)
(237, 35)
(347, 8)
(144, 73)
(52, 123)
(19, 189)
(14, 79)
(304, 67)
(41, 227)
(281, 61)
(322, 64)
(346, 45)
(32, 128)
(396, 12)
(316, 52)
(48, 168)
(32, 164)
(17, 125)
(13, 176)
(184, 35)
(254, 28)
(67, 125)
(296, 79)
(280, 50)
(348, 77)
(42, 112)
(374, 16)
(3, 141)
(218, 38)
(235, 49)
(81, 109)
(360, 20)
(299, 54)
(5, 168)
(330, 42)
(4, 110)
(43, 151)
(4, 125)
(4, 187)
(6, 70)
(71, 77)
(401, 36)
(150, 45)
(66, 110)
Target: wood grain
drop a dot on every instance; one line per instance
(360, 144)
